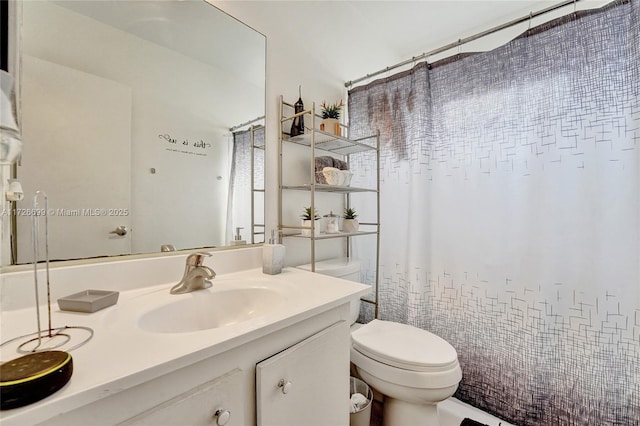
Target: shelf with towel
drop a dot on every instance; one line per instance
(320, 187)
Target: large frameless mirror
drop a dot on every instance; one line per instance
(142, 121)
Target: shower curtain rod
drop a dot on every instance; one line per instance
(246, 123)
(462, 41)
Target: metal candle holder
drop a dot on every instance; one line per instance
(49, 338)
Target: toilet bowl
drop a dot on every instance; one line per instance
(413, 368)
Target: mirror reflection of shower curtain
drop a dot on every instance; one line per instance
(243, 170)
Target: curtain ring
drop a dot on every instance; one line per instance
(530, 19)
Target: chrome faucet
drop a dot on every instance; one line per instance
(196, 275)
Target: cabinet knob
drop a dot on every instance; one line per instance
(284, 385)
(222, 417)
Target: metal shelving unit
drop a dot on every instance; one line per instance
(317, 140)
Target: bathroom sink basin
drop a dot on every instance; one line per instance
(204, 309)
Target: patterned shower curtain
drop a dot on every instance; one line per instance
(510, 220)
(239, 200)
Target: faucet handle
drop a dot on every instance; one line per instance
(196, 259)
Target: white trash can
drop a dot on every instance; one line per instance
(361, 410)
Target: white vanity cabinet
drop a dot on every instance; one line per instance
(218, 402)
(237, 386)
(300, 385)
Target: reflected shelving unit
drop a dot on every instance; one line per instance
(320, 142)
(257, 188)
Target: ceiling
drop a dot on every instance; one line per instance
(359, 37)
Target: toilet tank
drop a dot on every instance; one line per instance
(342, 267)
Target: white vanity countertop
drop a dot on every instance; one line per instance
(120, 355)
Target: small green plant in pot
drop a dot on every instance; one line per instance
(331, 117)
(307, 216)
(350, 223)
(331, 110)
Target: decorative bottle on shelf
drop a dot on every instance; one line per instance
(297, 127)
(332, 223)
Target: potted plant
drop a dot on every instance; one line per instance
(307, 216)
(331, 117)
(350, 223)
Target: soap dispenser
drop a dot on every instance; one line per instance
(237, 239)
(273, 255)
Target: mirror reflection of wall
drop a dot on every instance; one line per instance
(126, 111)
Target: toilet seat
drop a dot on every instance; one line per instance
(405, 355)
(404, 346)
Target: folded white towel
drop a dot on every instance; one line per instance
(358, 402)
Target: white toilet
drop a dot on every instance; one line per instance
(413, 368)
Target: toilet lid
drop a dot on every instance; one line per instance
(404, 346)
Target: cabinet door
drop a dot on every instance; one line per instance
(198, 406)
(308, 383)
